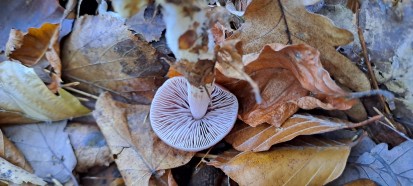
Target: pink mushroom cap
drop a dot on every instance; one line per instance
(172, 121)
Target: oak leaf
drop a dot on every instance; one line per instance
(22, 15)
(378, 163)
(264, 24)
(261, 138)
(25, 98)
(148, 22)
(140, 154)
(103, 55)
(306, 161)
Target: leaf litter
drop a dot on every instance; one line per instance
(103, 54)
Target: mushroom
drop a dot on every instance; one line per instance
(181, 121)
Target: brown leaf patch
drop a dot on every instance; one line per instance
(308, 161)
(13, 155)
(265, 24)
(262, 137)
(103, 55)
(139, 153)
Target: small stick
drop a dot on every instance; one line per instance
(81, 92)
(203, 155)
(202, 159)
(367, 121)
(366, 58)
(72, 84)
(385, 118)
(82, 99)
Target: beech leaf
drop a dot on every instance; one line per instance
(140, 154)
(264, 24)
(103, 55)
(262, 137)
(17, 175)
(308, 161)
(378, 163)
(46, 146)
(26, 97)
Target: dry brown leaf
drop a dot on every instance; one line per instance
(229, 63)
(278, 88)
(103, 55)
(139, 153)
(22, 15)
(361, 182)
(262, 137)
(10, 153)
(265, 24)
(148, 23)
(309, 161)
(89, 145)
(37, 44)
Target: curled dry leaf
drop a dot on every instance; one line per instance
(37, 44)
(17, 175)
(264, 24)
(89, 145)
(22, 15)
(306, 161)
(229, 63)
(261, 138)
(148, 22)
(140, 154)
(278, 87)
(10, 153)
(46, 146)
(26, 97)
(103, 55)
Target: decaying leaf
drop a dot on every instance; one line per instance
(264, 24)
(261, 138)
(376, 162)
(17, 175)
(148, 23)
(22, 93)
(229, 63)
(283, 73)
(305, 161)
(128, 8)
(37, 44)
(22, 15)
(139, 153)
(46, 146)
(278, 88)
(89, 145)
(103, 55)
(10, 153)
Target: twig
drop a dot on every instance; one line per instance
(82, 99)
(385, 118)
(287, 30)
(366, 59)
(389, 123)
(203, 155)
(202, 159)
(72, 84)
(367, 121)
(81, 92)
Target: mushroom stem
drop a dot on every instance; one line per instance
(199, 99)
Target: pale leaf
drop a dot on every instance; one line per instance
(140, 154)
(147, 23)
(17, 175)
(23, 93)
(46, 147)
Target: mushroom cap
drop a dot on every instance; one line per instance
(172, 121)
